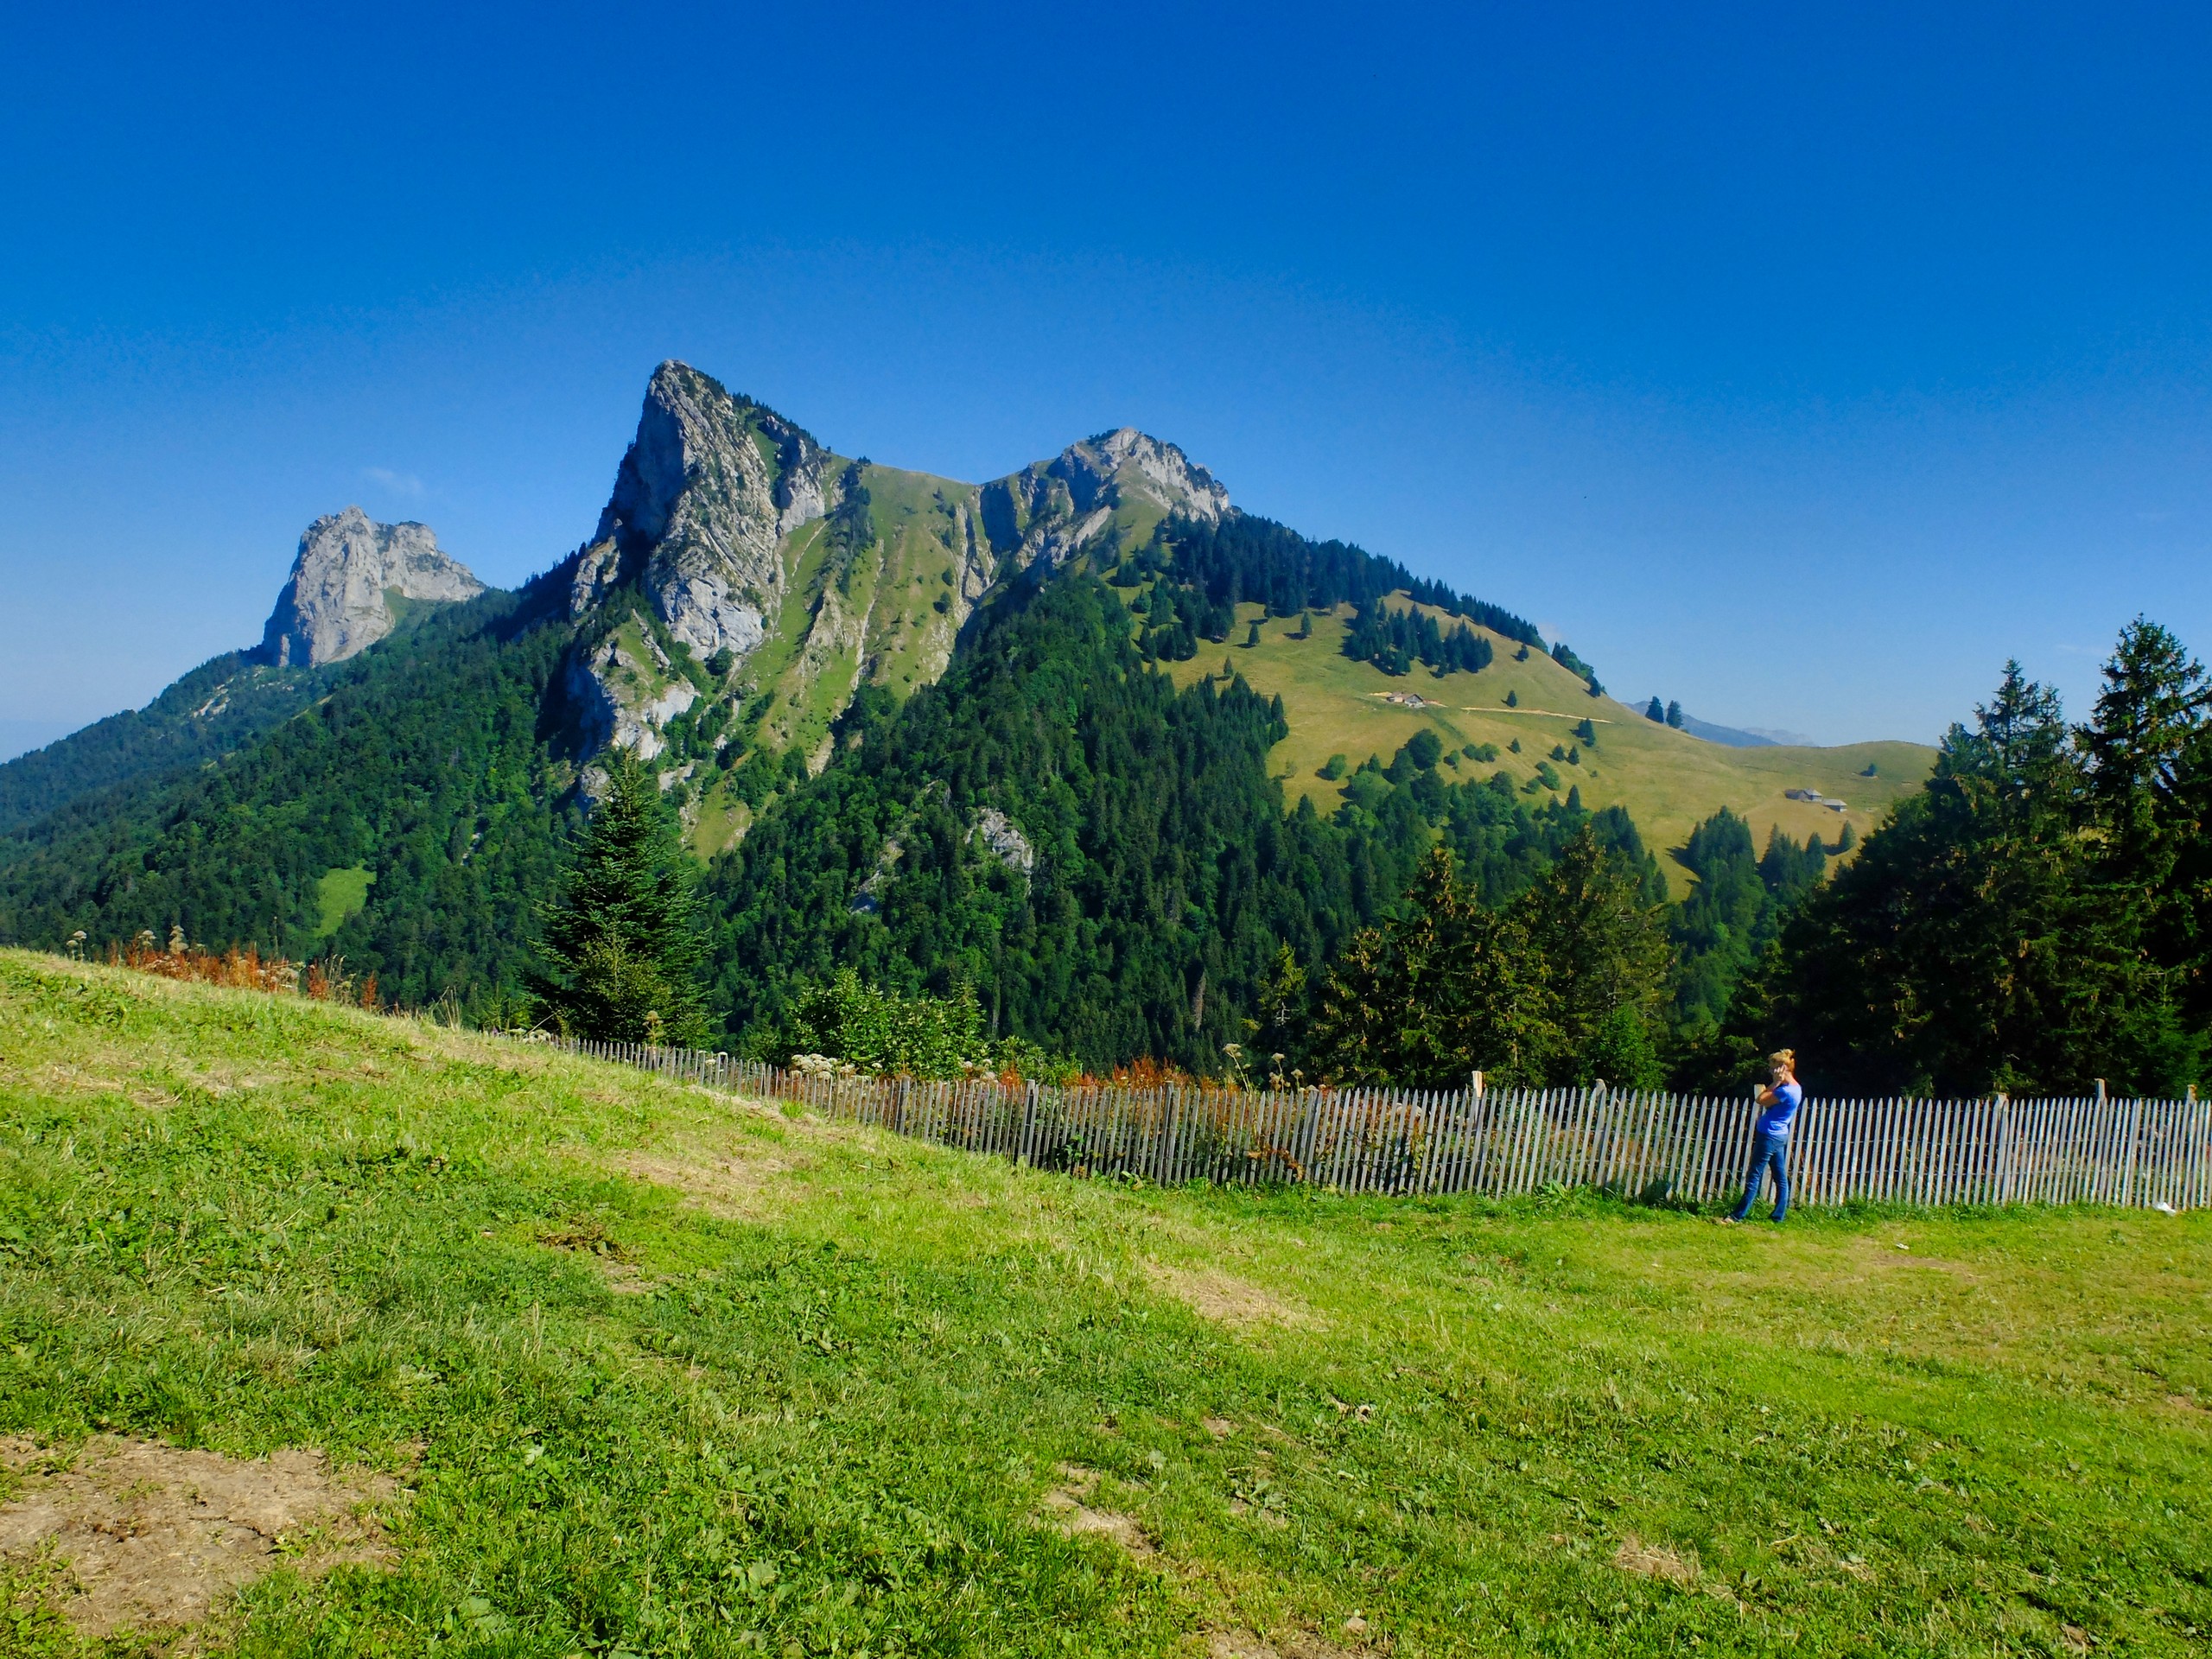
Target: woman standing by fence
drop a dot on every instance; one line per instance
(1778, 1104)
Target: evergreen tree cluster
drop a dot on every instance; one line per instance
(1561, 986)
(1165, 873)
(1394, 640)
(1243, 558)
(1733, 915)
(1565, 657)
(2038, 917)
(1173, 619)
(622, 946)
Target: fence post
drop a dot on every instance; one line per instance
(1307, 1131)
(2134, 1141)
(2003, 1183)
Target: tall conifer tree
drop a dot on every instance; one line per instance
(622, 947)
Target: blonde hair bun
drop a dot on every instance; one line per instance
(1784, 1057)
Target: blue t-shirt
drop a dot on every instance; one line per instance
(1775, 1119)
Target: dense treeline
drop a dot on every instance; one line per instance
(1563, 985)
(1394, 640)
(425, 768)
(1151, 876)
(1242, 558)
(1734, 914)
(2037, 917)
(220, 706)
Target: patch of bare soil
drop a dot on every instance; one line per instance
(1227, 1301)
(1654, 1561)
(1067, 1508)
(732, 1185)
(1302, 1645)
(154, 1536)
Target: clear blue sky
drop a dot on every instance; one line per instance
(1800, 363)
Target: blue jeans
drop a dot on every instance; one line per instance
(1768, 1151)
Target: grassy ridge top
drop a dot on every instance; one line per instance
(670, 1373)
(1669, 780)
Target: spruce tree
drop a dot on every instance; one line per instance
(621, 946)
(1981, 938)
(1605, 963)
(1655, 712)
(1675, 716)
(2148, 775)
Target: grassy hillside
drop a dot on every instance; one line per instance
(1669, 780)
(663, 1373)
(884, 613)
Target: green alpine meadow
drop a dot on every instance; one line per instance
(345, 1309)
(615, 1365)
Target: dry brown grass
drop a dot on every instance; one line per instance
(1229, 1301)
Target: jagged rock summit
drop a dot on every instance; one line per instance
(739, 531)
(708, 489)
(337, 601)
(1066, 504)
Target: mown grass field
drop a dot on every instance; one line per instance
(668, 1374)
(1669, 780)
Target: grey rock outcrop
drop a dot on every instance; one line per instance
(1125, 464)
(1052, 509)
(338, 600)
(1003, 840)
(701, 502)
(708, 489)
(622, 699)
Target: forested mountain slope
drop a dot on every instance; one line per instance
(420, 787)
(1105, 857)
(1085, 737)
(219, 706)
(353, 582)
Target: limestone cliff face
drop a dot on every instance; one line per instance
(1054, 509)
(623, 693)
(729, 521)
(337, 601)
(706, 494)
(701, 502)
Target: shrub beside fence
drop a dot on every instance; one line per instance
(1504, 1141)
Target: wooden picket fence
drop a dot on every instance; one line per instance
(1504, 1141)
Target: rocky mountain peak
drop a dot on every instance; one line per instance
(707, 489)
(1054, 509)
(1126, 463)
(337, 603)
